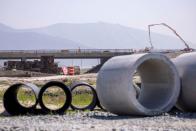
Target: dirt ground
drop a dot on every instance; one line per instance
(84, 77)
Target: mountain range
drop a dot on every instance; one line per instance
(89, 35)
(14, 39)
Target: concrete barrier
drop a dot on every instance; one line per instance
(160, 84)
(186, 66)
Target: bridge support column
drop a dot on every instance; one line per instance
(23, 59)
(103, 60)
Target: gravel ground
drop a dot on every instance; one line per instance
(95, 120)
(98, 120)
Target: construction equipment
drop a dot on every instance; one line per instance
(188, 49)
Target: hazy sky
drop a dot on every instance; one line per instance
(180, 14)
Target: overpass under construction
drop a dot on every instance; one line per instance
(102, 54)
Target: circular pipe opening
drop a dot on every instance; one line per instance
(55, 97)
(157, 83)
(84, 97)
(26, 97)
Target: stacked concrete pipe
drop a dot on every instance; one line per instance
(160, 85)
(186, 66)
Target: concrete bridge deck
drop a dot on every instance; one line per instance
(64, 54)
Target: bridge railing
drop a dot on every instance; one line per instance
(70, 51)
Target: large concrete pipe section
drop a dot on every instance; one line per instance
(11, 102)
(186, 66)
(159, 91)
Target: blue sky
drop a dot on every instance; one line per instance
(179, 14)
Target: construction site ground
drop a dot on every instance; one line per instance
(89, 120)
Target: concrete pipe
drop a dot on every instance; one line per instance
(76, 87)
(11, 102)
(57, 88)
(186, 66)
(159, 91)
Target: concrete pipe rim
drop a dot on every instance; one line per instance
(66, 104)
(93, 102)
(173, 97)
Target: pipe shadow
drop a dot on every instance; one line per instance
(181, 114)
(175, 112)
(31, 113)
(100, 116)
(4, 114)
(115, 117)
